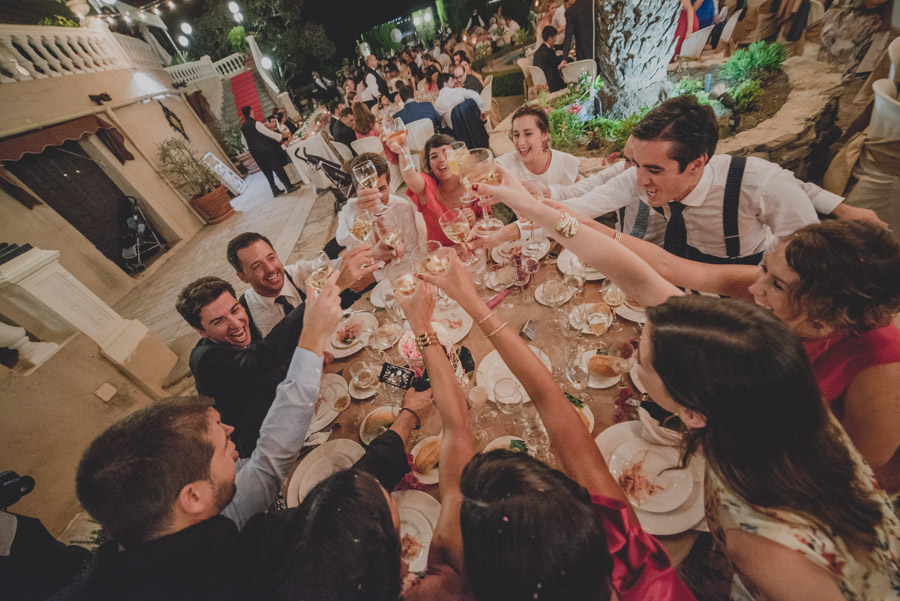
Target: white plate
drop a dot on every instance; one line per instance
(631, 314)
(564, 263)
(634, 378)
(596, 380)
(691, 512)
(675, 485)
(586, 411)
(325, 414)
(359, 394)
(457, 317)
(539, 295)
(432, 476)
(363, 435)
(503, 443)
(340, 352)
(416, 525)
(378, 292)
(340, 446)
(501, 253)
(421, 502)
(492, 368)
(321, 469)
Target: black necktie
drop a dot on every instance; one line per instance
(285, 303)
(676, 234)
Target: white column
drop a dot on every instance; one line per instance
(40, 295)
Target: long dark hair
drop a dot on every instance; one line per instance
(768, 434)
(530, 532)
(343, 545)
(435, 141)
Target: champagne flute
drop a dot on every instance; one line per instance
(479, 168)
(613, 296)
(366, 176)
(458, 154)
(362, 226)
(402, 274)
(320, 269)
(456, 227)
(396, 133)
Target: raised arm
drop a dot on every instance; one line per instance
(414, 180)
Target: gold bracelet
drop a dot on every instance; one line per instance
(567, 225)
(618, 236)
(500, 327)
(484, 319)
(425, 340)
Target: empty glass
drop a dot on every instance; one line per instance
(576, 369)
(364, 377)
(507, 396)
(479, 168)
(613, 296)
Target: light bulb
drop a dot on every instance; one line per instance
(233, 7)
(183, 41)
(186, 28)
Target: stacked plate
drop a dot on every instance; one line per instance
(345, 346)
(564, 263)
(632, 312)
(667, 500)
(324, 460)
(419, 513)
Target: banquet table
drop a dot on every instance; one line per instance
(313, 145)
(601, 404)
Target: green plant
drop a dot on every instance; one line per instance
(691, 85)
(522, 37)
(566, 127)
(583, 86)
(179, 162)
(231, 136)
(615, 131)
(746, 94)
(757, 60)
(482, 50)
(237, 37)
(181, 57)
(57, 21)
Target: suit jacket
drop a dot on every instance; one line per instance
(413, 111)
(344, 135)
(579, 24)
(243, 380)
(546, 59)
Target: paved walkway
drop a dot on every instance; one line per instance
(281, 219)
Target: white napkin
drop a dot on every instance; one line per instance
(317, 438)
(653, 432)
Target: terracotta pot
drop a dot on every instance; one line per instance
(215, 206)
(247, 161)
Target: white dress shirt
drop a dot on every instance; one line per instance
(281, 436)
(772, 205)
(563, 168)
(371, 92)
(449, 97)
(265, 311)
(559, 23)
(400, 208)
(261, 128)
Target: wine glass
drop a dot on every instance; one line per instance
(390, 305)
(388, 227)
(576, 370)
(456, 227)
(363, 377)
(598, 317)
(533, 247)
(526, 267)
(622, 359)
(362, 226)
(319, 269)
(479, 168)
(396, 133)
(555, 294)
(613, 296)
(574, 277)
(366, 176)
(335, 397)
(434, 260)
(456, 156)
(507, 396)
(402, 274)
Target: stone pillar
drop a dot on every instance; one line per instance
(33, 353)
(39, 295)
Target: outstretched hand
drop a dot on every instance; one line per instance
(509, 191)
(418, 307)
(456, 282)
(322, 315)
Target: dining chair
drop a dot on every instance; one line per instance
(726, 40)
(367, 144)
(537, 76)
(418, 133)
(693, 47)
(524, 64)
(572, 71)
(894, 56)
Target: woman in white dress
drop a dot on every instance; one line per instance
(533, 159)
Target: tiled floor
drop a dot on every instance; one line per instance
(283, 220)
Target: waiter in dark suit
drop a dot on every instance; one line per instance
(579, 23)
(265, 147)
(545, 58)
(376, 86)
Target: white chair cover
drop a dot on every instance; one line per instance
(343, 150)
(728, 30)
(894, 56)
(572, 71)
(537, 76)
(418, 133)
(885, 123)
(368, 144)
(692, 47)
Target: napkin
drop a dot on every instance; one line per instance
(497, 299)
(317, 438)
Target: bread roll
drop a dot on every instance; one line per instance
(428, 456)
(378, 423)
(602, 365)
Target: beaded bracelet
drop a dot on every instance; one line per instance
(415, 415)
(500, 327)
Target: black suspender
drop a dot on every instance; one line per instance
(730, 206)
(254, 331)
(296, 287)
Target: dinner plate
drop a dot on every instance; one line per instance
(596, 380)
(360, 394)
(340, 446)
(492, 369)
(325, 414)
(681, 519)
(674, 486)
(631, 314)
(421, 502)
(539, 295)
(364, 437)
(634, 378)
(337, 349)
(321, 469)
(564, 263)
(432, 476)
(503, 443)
(416, 525)
(501, 253)
(377, 295)
(457, 322)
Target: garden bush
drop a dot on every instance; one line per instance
(758, 60)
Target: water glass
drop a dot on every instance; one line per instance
(507, 396)
(576, 369)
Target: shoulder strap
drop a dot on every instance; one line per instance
(254, 331)
(296, 287)
(730, 206)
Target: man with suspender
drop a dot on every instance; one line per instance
(276, 289)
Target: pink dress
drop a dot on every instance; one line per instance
(641, 567)
(431, 211)
(838, 359)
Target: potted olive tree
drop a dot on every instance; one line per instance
(207, 195)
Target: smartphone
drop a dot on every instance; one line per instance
(397, 375)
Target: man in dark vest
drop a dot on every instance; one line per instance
(376, 86)
(265, 147)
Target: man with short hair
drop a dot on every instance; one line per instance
(413, 110)
(545, 58)
(376, 86)
(450, 95)
(343, 129)
(277, 289)
(467, 81)
(265, 147)
(335, 108)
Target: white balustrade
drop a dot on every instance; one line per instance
(30, 52)
(193, 71)
(230, 65)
